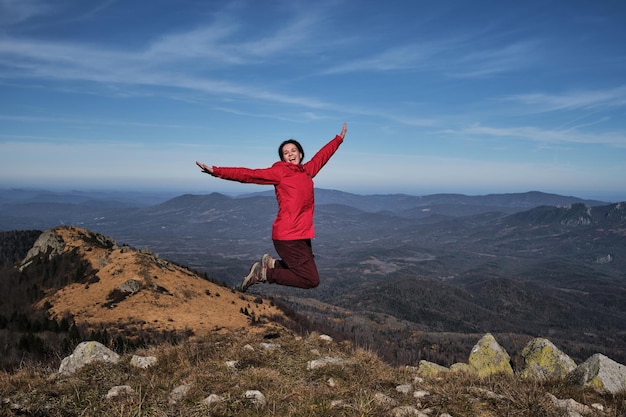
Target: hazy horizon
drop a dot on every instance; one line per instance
(245, 189)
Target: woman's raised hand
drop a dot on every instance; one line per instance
(205, 168)
(343, 131)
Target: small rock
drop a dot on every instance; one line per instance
(337, 403)
(119, 391)
(320, 363)
(406, 411)
(143, 362)
(270, 346)
(570, 405)
(231, 364)
(597, 406)
(179, 393)
(382, 399)
(326, 338)
(213, 399)
(421, 394)
(131, 286)
(256, 397)
(404, 389)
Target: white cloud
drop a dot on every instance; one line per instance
(535, 134)
(16, 11)
(587, 99)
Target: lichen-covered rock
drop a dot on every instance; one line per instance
(545, 361)
(461, 367)
(488, 357)
(85, 353)
(601, 373)
(427, 368)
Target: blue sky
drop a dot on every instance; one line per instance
(470, 97)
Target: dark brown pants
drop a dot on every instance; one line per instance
(297, 267)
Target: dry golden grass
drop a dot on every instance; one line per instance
(185, 301)
(281, 375)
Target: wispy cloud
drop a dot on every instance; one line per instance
(588, 99)
(407, 57)
(16, 11)
(534, 134)
(513, 57)
(460, 57)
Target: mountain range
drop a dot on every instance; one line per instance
(397, 270)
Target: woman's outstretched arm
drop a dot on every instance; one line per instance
(323, 155)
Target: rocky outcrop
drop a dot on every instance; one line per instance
(544, 360)
(48, 244)
(601, 373)
(486, 358)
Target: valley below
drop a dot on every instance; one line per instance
(409, 277)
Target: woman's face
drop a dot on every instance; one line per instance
(291, 154)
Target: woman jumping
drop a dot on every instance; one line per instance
(292, 230)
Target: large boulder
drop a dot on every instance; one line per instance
(86, 353)
(545, 361)
(48, 244)
(488, 357)
(601, 373)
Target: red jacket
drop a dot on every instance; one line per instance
(293, 185)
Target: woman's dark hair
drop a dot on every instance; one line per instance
(288, 141)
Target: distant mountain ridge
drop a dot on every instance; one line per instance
(398, 203)
(24, 209)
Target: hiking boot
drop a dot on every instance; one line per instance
(256, 275)
(268, 261)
